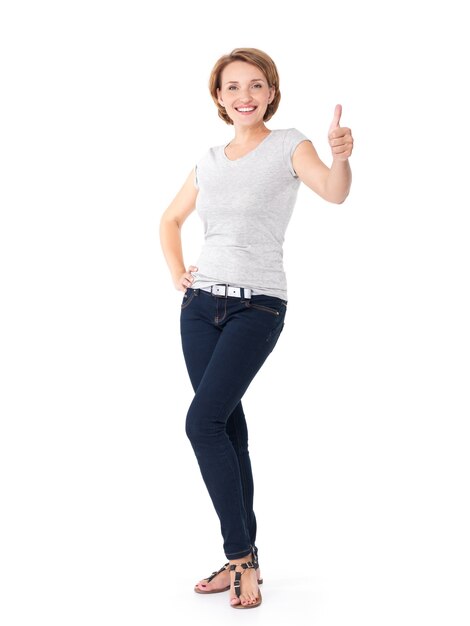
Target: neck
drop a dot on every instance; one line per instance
(248, 134)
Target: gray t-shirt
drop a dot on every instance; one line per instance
(245, 206)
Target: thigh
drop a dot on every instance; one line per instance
(198, 336)
(247, 338)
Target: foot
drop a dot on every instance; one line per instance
(220, 582)
(249, 590)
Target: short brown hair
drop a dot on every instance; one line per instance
(255, 57)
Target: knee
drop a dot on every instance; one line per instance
(201, 426)
(191, 426)
(195, 429)
(237, 431)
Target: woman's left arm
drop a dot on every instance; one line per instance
(333, 183)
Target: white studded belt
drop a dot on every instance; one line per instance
(228, 291)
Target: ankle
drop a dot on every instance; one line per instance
(244, 559)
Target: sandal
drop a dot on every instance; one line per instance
(248, 565)
(224, 567)
(211, 577)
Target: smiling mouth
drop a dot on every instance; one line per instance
(245, 110)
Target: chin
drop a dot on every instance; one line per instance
(248, 121)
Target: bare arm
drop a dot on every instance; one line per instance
(331, 183)
(170, 232)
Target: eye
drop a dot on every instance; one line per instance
(258, 85)
(232, 87)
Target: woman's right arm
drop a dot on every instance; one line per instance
(170, 233)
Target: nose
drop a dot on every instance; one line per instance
(245, 98)
(245, 94)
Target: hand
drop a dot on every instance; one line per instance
(185, 280)
(340, 139)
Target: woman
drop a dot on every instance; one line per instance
(235, 300)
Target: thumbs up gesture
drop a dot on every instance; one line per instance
(340, 138)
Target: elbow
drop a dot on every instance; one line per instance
(162, 225)
(164, 228)
(334, 196)
(339, 199)
(336, 200)
(167, 221)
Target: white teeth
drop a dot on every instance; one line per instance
(245, 109)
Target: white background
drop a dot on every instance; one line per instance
(358, 421)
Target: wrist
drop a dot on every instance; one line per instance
(339, 159)
(177, 272)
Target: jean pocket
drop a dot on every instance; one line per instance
(274, 306)
(187, 298)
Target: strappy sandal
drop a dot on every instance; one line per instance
(249, 565)
(211, 577)
(224, 567)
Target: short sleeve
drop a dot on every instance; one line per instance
(291, 141)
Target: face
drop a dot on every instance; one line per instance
(244, 93)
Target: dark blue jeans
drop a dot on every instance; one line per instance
(225, 342)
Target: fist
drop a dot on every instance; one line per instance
(340, 138)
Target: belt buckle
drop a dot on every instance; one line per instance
(217, 290)
(224, 291)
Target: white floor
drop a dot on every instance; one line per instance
(102, 570)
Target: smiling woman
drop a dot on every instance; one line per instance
(235, 300)
(265, 80)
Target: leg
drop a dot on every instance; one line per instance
(237, 431)
(200, 337)
(199, 341)
(247, 336)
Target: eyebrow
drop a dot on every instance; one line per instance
(255, 80)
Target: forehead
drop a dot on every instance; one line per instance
(240, 71)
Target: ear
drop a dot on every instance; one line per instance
(272, 94)
(219, 98)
